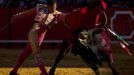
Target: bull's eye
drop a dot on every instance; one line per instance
(86, 34)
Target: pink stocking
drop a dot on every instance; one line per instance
(21, 58)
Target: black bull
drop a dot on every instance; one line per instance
(86, 54)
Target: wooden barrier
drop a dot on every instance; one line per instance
(119, 20)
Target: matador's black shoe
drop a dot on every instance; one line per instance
(13, 73)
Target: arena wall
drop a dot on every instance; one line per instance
(13, 34)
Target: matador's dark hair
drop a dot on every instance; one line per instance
(50, 2)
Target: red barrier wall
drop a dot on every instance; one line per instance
(21, 24)
(4, 18)
(119, 20)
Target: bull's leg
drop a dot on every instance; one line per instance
(114, 71)
(95, 68)
(59, 57)
(97, 72)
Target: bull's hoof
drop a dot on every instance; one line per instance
(116, 73)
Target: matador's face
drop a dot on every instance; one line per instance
(52, 8)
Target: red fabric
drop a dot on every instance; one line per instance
(104, 5)
(85, 18)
